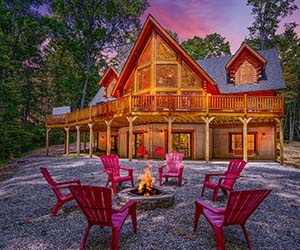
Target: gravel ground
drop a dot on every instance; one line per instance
(26, 202)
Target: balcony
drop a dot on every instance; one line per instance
(206, 105)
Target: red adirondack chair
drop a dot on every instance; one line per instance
(142, 152)
(160, 152)
(174, 168)
(96, 204)
(112, 167)
(226, 180)
(56, 186)
(240, 206)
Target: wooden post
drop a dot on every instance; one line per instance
(67, 141)
(130, 136)
(170, 120)
(47, 141)
(207, 121)
(84, 142)
(78, 140)
(108, 136)
(281, 139)
(91, 140)
(245, 122)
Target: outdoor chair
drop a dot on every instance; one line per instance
(160, 152)
(225, 180)
(56, 187)
(240, 206)
(142, 152)
(96, 204)
(112, 167)
(174, 168)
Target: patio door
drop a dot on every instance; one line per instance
(182, 143)
(138, 140)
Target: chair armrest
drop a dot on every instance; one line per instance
(128, 205)
(161, 168)
(207, 176)
(130, 170)
(219, 210)
(68, 182)
(224, 178)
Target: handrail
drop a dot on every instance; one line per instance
(210, 104)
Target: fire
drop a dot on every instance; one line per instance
(146, 181)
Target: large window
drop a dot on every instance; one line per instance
(163, 51)
(144, 78)
(166, 75)
(246, 73)
(145, 57)
(236, 143)
(189, 78)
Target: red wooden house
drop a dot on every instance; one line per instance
(217, 108)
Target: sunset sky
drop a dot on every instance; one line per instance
(229, 18)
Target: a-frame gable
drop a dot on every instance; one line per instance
(139, 55)
(109, 81)
(246, 66)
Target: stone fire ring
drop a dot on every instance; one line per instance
(163, 200)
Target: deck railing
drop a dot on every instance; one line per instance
(157, 103)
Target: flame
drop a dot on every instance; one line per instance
(146, 181)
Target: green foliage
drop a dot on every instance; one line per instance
(213, 45)
(174, 35)
(267, 16)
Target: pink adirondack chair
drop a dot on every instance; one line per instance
(56, 186)
(96, 204)
(226, 180)
(240, 206)
(112, 167)
(174, 168)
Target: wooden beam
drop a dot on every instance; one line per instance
(170, 120)
(78, 142)
(67, 141)
(47, 141)
(91, 139)
(108, 136)
(245, 122)
(281, 139)
(207, 121)
(130, 119)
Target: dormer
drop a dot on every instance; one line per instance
(246, 66)
(109, 81)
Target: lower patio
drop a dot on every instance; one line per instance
(26, 202)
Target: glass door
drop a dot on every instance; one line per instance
(182, 143)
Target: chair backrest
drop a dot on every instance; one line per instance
(174, 161)
(95, 202)
(234, 169)
(111, 163)
(241, 204)
(50, 181)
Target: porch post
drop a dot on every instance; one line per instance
(47, 141)
(130, 135)
(281, 138)
(207, 121)
(78, 140)
(170, 120)
(91, 140)
(67, 141)
(108, 136)
(245, 122)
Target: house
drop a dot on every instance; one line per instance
(217, 108)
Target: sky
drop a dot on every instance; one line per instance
(229, 18)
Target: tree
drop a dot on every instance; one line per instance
(212, 45)
(174, 35)
(267, 16)
(91, 29)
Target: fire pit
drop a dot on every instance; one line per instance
(147, 196)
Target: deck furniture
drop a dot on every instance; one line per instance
(142, 152)
(240, 206)
(159, 152)
(112, 167)
(96, 204)
(225, 180)
(56, 187)
(173, 168)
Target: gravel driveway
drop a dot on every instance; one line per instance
(26, 202)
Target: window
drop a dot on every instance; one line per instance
(163, 51)
(246, 73)
(166, 75)
(236, 143)
(145, 57)
(144, 78)
(189, 78)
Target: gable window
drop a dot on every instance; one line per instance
(246, 73)
(189, 78)
(163, 51)
(145, 57)
(144, 78)
(166, 75)
(236, 143)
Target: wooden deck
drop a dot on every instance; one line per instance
(151, 105)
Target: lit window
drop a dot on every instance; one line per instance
(166, 75)
(164, 52)
(246, 73)
(189, 78)
(144, 78)
(236, 143)
(145, 57)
